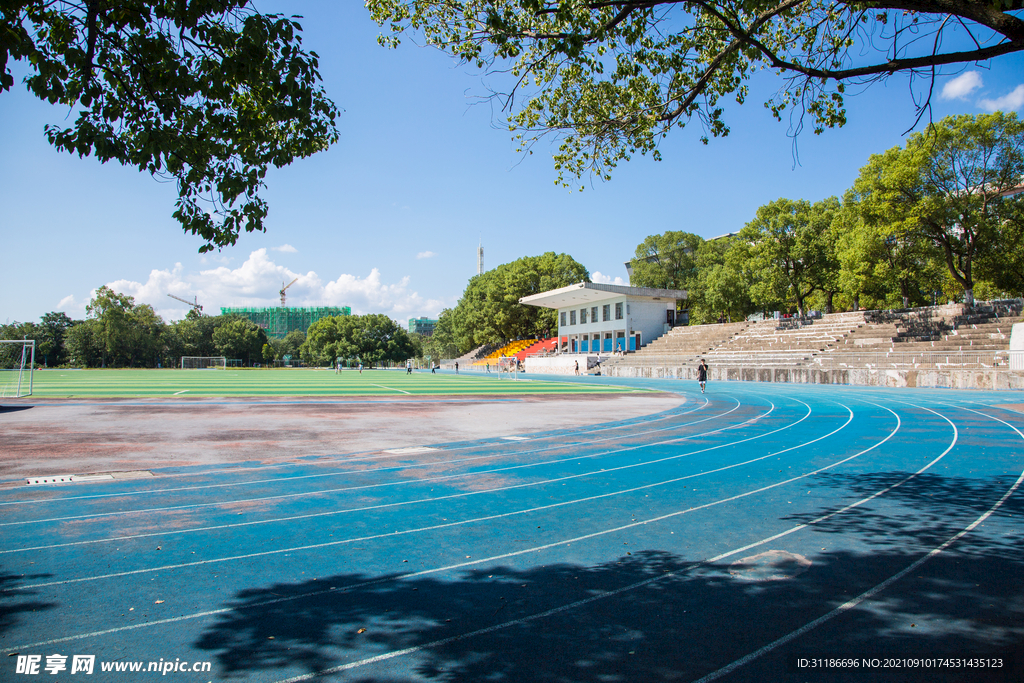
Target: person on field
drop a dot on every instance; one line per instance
(433, 368)
(702, 374)
(360, 367)
(456, 367)
(408, 367)
(577, 367)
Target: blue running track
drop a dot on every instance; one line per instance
(757, 533)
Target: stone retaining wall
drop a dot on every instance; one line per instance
(951, 379)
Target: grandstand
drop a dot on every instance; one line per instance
(539, 347)
(506, 351)
(829, 348)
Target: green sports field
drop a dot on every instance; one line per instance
(293, 382)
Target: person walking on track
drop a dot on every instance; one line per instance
(702, 374)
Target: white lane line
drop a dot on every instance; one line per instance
(419, 500)
(640, 584)
(380, 457)
(442, 498)
(430, 479)
(180, 392)
(435, 527)
(871, 592)
(426, 572)
(391, 389)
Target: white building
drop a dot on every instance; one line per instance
(595, 318)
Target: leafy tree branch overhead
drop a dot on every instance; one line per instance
(209, 93)
(610, 78)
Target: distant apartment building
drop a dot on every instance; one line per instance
(278, 321)
(423, 326)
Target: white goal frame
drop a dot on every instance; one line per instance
(16, 381)
(508, 365)
(203, 362)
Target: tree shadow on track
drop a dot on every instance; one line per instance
(923, 512)
(678, 622)
(14, 602)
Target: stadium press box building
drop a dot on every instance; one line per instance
(279, 321)
(596, 318)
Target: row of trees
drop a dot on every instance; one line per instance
(120, 333)
(940, 218)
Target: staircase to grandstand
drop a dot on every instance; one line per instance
(933, 337)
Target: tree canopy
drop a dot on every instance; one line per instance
(666, 261)
(957, 186)
(370, 339)
(610, 78)
(489, 310)
(209, 93)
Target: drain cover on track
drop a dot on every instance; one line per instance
(773, 565)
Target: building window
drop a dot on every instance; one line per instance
(593, 314)
(562, 319)
(572, 317)
(606, 312)
(618, 311)
(583, 316)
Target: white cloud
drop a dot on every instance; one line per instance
(425, 254)
(286, 248)
(258, 281)
(961, 86)
(74, 309)
(1010, 102)
(603, 279)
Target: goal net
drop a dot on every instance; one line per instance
(203, 362)
(508, 367)
(17, 361)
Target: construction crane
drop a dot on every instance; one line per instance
(286, 286)
(194, 304)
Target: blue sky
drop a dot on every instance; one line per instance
(389, 219)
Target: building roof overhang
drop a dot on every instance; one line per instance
(593, 292)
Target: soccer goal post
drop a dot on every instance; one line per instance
(17, 362)
(508, 367)
(203, 362)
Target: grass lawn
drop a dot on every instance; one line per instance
(294, 382)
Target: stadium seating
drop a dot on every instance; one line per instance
(508, 350)
(542, 346)
(937, 336)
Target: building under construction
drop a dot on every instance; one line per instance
(277, 322)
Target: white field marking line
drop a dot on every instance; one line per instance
(696, 565)
(300, 494)
(382, 457)
(422, 500)
(871, 592)
(180, 392)
(497, 516)
(391, 389)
